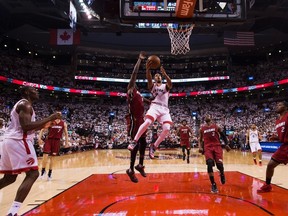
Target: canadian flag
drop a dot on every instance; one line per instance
(64, 37)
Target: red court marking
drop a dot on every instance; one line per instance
(165, 194)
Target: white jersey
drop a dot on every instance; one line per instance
(14, 130)
(253, 136)
(160, 94)
(2, 130)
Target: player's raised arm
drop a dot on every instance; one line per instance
(135, 71)
(164, 74)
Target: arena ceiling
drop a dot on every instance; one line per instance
(30, 21)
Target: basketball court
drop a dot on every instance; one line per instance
(95, 183)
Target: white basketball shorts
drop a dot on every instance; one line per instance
(17, 156)
(159, 113)
(255, 146)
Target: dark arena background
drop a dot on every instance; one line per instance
(80, 54)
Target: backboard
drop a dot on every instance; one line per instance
(163, 11)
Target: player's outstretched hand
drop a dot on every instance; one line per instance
(148, 65)
(227, 147)
(163, 72)
(142, 55)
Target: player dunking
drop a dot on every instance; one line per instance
(280, 156)
(17, 153)
(159, 107)
(209, 144)
(134, 119)
(52, 144)
(185, 133)
(252, 138)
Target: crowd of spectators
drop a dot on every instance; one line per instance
(102, 125)
(39, 71)
(91, 125)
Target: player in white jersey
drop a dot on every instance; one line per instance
(17, 153)
(158, 108)
(253, 138)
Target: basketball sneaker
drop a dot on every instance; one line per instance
(214, 188)
(132, 145)
(140, 168)
(151, 151)
(265, 188)
(42, 177)
(222, 178)
(260, 163)
(10, 214)
(49, 178)
(131, 175)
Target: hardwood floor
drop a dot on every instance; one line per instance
(71, 169)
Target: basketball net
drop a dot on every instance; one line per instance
(180, 37)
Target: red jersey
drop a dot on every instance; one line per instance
(135, 103)
(282, 128)
(210, 135)
(56, 131)
(184, 132)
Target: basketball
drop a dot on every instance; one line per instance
(156, 61)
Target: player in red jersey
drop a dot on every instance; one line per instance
(134, 119)
(280, 156)
(185, 132)
(209, 144)
(51, 145)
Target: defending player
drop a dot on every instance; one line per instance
(51, 146)
(159, 107)
(17, 151)
(185, 132)
(209, 144)
(134, 119)
(280, 156)
(252, 138)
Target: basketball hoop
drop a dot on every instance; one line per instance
(180, 35)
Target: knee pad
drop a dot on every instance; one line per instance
(210, 163)
(220, 166)
(166, 127)
(147, 122)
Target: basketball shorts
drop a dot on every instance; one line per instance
(281, 155)
(185, 142)
(17, 156)
(52, 146)
(159, 113)
(214, 152)
(133, 125)
(255, 146)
